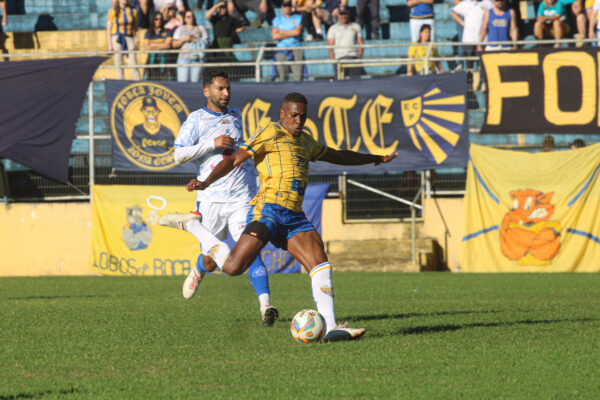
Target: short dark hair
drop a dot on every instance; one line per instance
(294, 97)
(210, 74)
(578, 143)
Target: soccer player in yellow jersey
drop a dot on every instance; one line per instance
(281, 152)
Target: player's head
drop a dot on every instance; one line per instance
(293, 112)
(150, 109)
(216, 90)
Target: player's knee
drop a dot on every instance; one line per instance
(258, 230)
(233, 267)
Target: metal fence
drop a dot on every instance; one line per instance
(90, 160)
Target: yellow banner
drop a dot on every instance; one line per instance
(126, 237)
(532, 212)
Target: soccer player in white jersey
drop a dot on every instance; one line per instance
(208, 136)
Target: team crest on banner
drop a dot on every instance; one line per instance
(532, 212)
(434, 122)
(145, 120)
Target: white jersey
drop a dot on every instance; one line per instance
(196, 142)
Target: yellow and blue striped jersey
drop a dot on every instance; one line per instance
(124, 24)
(282, 163)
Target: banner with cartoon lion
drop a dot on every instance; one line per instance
(127, 240)
(532, 212)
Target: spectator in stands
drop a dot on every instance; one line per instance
(237, 9)
(313, 17)
(594, 25)
(121, 31)
(173, 20)
(224, 29)
(287, 30)
(469, 14)
(548, 143)
(551, 21)
(370, 9)
(162, 5)
(4, 17)
(419, 50)
(499, 25)
(421, 12)
(190, 36)
(346, 37)
(157, 38)
(577, 143)
(579, 18)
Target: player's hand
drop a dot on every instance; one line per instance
(195, 184)
(224, 142)
(386, 159)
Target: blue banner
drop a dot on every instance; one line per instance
(423, 118)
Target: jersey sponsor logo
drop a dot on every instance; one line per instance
(145, 119)
(434, 121)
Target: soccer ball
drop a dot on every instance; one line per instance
(307, 326)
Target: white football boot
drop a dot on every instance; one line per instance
(178, 220)
(269, 315)
(342, 332)
(191, 283)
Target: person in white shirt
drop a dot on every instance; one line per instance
(190, 36)
(346, 37)
(208, 136)
(469, 14)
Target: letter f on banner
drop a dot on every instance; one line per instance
(498, 90)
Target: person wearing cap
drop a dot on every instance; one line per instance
(151, 136)
(287, 30)
(346, 39)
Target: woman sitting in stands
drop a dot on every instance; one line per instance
(121, 31)
(190, 36)
(157, 38)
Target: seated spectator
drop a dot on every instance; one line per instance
(579, 19)
(551, 21)
(594, 25)
(287, 30)
(121, 30)
(370, 9)
(419, 50)
(313, 17)
(548, 143)
(173, 20)
(421, 12)
(157, 38)
(346, 39)
(499, 25)
(190, 36)
(224, 29)
(237, 9)
(469, 14)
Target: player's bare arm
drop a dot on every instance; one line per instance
(222, 169)
(348, 157)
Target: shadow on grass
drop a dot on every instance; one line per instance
(83, 296)
(410, 315)
(418, 330)
(38, 395)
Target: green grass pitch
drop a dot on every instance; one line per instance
(429, 336)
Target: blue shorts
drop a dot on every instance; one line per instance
(282, 223)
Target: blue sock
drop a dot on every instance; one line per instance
(200, 264)
(259, 277)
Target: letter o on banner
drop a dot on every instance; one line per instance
(586, 65)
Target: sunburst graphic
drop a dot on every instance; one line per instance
(434, 122)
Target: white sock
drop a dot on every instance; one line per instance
(322, 290)
(264, 300)
(209, 243)
(319, 31)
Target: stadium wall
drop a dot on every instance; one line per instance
(41, 239)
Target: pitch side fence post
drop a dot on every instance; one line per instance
(91, 157)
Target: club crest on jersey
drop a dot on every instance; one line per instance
(434, 122)
(145, 119)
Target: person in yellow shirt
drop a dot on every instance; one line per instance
(121, 31)
(419, 51)
(281, 152)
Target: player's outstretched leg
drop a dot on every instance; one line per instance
(190, 222)
(259, 278)
(322, 289)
